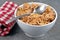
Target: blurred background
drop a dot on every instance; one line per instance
(17, 34)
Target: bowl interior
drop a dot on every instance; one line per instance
(37, 25)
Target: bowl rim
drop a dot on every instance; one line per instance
(37, 25)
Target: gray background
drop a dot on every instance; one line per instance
(17, 34)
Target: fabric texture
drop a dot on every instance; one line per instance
(7, 13)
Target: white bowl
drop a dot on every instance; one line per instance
(35, 30)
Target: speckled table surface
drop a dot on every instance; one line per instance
(17, 34)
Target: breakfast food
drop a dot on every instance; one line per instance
(34, 18)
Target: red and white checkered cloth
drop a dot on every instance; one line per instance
(7, 13)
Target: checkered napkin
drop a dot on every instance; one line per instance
(7, 13)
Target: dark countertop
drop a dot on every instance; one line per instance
(17, 34)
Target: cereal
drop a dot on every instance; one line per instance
(26, 6)
(35, 18)
(34, 6)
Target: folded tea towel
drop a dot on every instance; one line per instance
(7, 13)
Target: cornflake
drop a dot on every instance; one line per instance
(35, 18)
